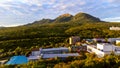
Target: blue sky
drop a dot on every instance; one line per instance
(19, 12)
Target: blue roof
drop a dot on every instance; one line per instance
(17, 60)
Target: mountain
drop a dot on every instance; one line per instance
(84, 17)
(63, 18)
(43, 21)
(80, 17)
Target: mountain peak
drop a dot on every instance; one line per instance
(81, 14)
(65, 15)
(85, 17)
(63, 18)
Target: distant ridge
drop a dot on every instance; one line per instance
(2, 27)
(80, 17)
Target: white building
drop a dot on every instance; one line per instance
(61, 52)
(103, 49)
(106, 47)
(2, 61)
(113, 40)
(114, 28)
(117, 41)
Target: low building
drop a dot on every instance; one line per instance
(103, 49)
(99, 40)
(33, 58)
(47, 56)
(117, 48)
(113, 40)
(117, 41)
(35, 52)
(89, 41)
(54, 50)
(93, 49)
(38, 51)
(3, 61)
(75, 48)
(114, 28)
(74, 39)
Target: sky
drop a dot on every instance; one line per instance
(19, 12)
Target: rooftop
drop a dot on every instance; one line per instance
(106, 44)
(33, 57)
(35, 49)
(49, 49)
(59, 55)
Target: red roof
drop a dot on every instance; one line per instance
(35, 49)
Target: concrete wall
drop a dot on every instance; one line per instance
(35, 53)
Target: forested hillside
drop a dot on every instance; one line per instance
(51, 34)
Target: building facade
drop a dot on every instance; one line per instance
(74, 48)
(74, 39)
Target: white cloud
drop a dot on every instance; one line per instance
(113, 1)
(15, 8)
(4, 1)
(4, 6)
(9, 5)
(115, 19)
(9, 24)
(32, 2)
(25, 10)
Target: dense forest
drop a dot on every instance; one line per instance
(55, 33)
